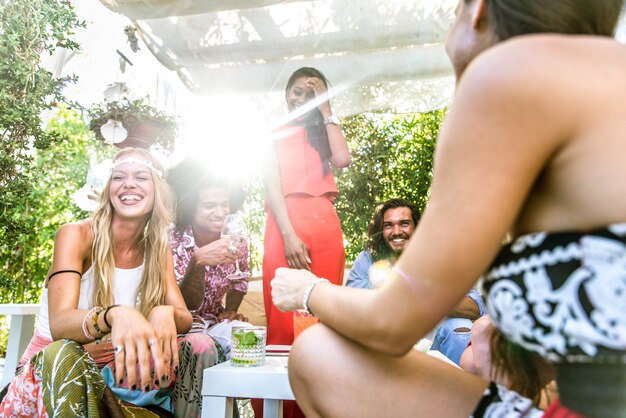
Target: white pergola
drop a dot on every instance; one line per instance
(378, 54)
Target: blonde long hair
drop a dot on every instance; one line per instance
(154, 240)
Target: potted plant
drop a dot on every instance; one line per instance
(132, 123)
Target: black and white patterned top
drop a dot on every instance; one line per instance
(563, 295)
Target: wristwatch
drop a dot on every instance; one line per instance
(332, 120)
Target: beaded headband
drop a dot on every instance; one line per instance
(133, 160)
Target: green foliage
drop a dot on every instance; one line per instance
(28, 30)
(255, 222)
(130, 112)
(48, 205)
(392, 156)
(63, 167)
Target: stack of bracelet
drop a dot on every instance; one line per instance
(94, 313)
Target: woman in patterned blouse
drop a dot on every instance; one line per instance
(202, 259)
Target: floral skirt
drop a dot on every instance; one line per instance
(66, 379)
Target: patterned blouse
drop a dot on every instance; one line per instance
(216, 283)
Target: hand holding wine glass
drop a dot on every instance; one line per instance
(235, 230)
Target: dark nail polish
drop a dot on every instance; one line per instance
(134, 387)
(121, 381)
(156, 382)
(147, 388)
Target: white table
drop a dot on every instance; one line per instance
(222, 383)
(20, 333)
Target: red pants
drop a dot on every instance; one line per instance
(316, 223)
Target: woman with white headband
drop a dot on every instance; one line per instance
(106, 339)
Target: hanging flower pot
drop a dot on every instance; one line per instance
(134, 123)
(141, 133)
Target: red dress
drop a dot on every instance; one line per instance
(309, 195)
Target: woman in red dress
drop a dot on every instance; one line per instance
(302, 229)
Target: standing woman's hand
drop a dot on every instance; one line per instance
(134, 343)
(296, 252)
(320, 90)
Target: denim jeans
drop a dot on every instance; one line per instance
(450, 342)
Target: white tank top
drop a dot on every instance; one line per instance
(125, 288)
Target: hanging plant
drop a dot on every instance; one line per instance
(132, 123)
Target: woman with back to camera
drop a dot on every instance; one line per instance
(106, 341)
(533, 145)
(302, 229)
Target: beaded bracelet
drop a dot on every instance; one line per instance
(94, 317)
(85, 329)
(307, 294)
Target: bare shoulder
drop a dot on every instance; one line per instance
(568, 78)
(79, 234)
(522, 63)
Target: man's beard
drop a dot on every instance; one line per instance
(397, 252)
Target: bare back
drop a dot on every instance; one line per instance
(534, 141)
(581, 185)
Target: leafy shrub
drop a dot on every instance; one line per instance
(392, 156)
(28, 29)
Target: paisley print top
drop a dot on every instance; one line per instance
(563, 295)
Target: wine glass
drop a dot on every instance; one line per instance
(235, 229)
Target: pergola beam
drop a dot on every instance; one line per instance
(187, 53)
(345, 70)
(153, 9)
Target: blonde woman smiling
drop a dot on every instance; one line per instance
(112, 282)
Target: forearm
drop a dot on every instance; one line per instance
(354, 313)
(233, 300)
(192, 285)
(390, 319)
(278, 207)
(69, 325)
(466, 308)
(183, 320)
(340, 153)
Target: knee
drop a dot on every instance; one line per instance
(310, 355)
(63, 350)
(196, 339)
(197, 343)
(68, 346)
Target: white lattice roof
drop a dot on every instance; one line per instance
(378, 54)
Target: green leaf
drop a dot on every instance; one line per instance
(246, 339)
